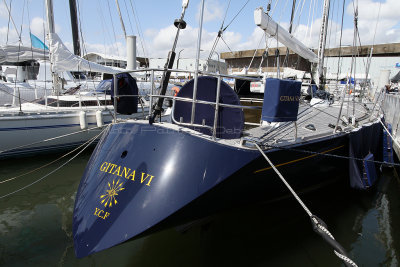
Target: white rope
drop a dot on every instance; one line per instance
(45, 165)
(49, 139)
(89, 142)
(342, 257)
(391, 136)
(284, 181)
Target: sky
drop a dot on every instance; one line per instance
(152, 22)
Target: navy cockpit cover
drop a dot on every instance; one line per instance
(281, 100)
(230, 120)
(126, 86)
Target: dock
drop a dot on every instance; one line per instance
(391, 107)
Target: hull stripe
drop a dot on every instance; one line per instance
(300, 159)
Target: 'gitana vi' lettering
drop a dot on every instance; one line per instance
(125, 172)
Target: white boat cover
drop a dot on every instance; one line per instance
(266, 23)
(64, 60)
(15, 53)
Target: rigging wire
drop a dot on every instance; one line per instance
(255, 51)
(49, 139)
(300, 13)
(330, 26)
(8, 24)
(339, 67)
(27, 8)
(129, 17)
(372, 46)
(222, 29)
(19, 50)
(236, 15)
(83, 45)
(47, 164)
(112, 25)
(227, 45)
(319, 226)
(88, 143)
(104, 29)
(12, 20)
(219, 33)
(140, 32)
(308, 22)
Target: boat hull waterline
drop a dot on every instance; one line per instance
(141, 174)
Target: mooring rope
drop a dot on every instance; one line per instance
(49, 139)
(45, 165)
(393, 139)
(88, 143)
(318, 225)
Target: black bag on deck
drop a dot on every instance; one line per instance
(127, 86)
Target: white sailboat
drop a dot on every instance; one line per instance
(57, 121)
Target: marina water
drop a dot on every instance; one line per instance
(36, 226)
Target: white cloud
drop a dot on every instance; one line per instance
(160, 41)
(212, 11)
(384, 17)
(368, 10)
(3, 11)
(38, 26)
(12, 35)
(116, 49)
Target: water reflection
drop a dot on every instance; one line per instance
(35, 227)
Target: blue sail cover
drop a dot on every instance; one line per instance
(37, 43)
(230, 120)
(281, 100)
(126, 86)
(363, 144)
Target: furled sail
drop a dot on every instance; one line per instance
(64, 60)
(266, 23)
(15, 53)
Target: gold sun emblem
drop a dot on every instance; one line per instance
(111, 193)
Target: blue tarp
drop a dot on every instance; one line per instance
(363, 144)
(126, 86)
(281, 100)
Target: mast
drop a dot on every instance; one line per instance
(320, 79)
(50, 28)
(290, 31)
(74, 27)
(120, 18)
(196, 72)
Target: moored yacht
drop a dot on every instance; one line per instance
(145, 173)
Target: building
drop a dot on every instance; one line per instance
(113, 61)
(189, 64)
(106, 60)
(384, 57)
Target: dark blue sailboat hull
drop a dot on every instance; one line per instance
(139, 175)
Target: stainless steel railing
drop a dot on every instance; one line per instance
(192, 100)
